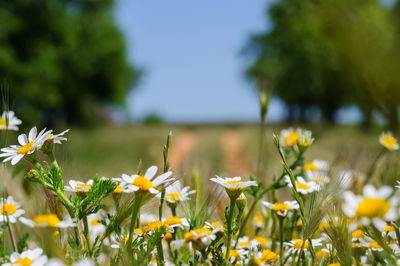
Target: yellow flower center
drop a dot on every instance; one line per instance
(197, 233)
(388, 228)
(8, 209)
(291, 139)
(302, 185)
(142, 183)
(95, 222)
(215, 224)
(261, 240)
(49, 219)
(172, 220)
(26, 148)
(310, 167)
(234, 188)
(232, 253)
(299, 243)
(118, 189)
(358, 234)
(174, 196)
(23, 262)
(157, 225)
(281, 207)
(389, 141)
(244, 244)
(268, 256)
(334, 264)
(372, 207)
(322, 254)
(374, 244)
(257, 219)
(299, 223)
(3, 122)
(79, 187)
(168, 237)
(320, 180)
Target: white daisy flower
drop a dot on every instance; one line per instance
(233, 186)
(388, 141)
(198, 238)
(32, 257)
(121, 185)
(374, 205)
(296, 244)
(96, 227)
(282, 208)
(260, 240)
(316, 165)
(370, 244)
(11, 209)
(174, 221)
(258, 221)
(303, 186)
(47, 220)
(175, 193)
(318, 177)
(220, 227)
(305, 139)
(58, 138)
(156, 226)
(266, 257)
(118, 239)
(147, 183)
(289, 137)
(235, 254)
(27, 145)
(9, 121)
(77, 186)
(357, 235)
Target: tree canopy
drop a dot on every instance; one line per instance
(62, 59)
(330, 53)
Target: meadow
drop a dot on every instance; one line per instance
(288, 205)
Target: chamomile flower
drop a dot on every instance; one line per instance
(143, 184)
(176, 193)
(9, 121)
(318, 177)
(235, 254)
(58, 138)
(174, 221)
(198, 238)
(282, 208)
(304, 140)
(289, 137)
(244, 243)
(357, 235)
(265, 257)
(260, 240)
(77, 186)
(297, 244)
(95, 223)
(32, 257)
(316, 165)
(233, 186)
(155, 226)
(303, 186)
(258, 221)
(374, 205)
(121, 185)
(371, 244)
(388, 141)
(220, 227)
(47, 220)
(11, 209)
(27, 145)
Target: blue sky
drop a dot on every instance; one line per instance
(190, 51)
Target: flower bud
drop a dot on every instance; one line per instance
(32, 175)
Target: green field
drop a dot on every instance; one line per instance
(222, 150)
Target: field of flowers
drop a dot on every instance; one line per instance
(341, 209)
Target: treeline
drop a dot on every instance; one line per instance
(331, 53)
(62, 60)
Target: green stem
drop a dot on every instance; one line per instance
(160, 253)
(135, 211)
(86, 233)
(160, 208)
(229, 226)
(11, 235)
(53, 159)
(281, 240)
(372, 168)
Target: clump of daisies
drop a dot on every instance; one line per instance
(301, 216)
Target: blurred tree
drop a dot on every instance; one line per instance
(331, 53)
(62, 59)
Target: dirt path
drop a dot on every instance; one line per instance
(236, 161)
(181, 147)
